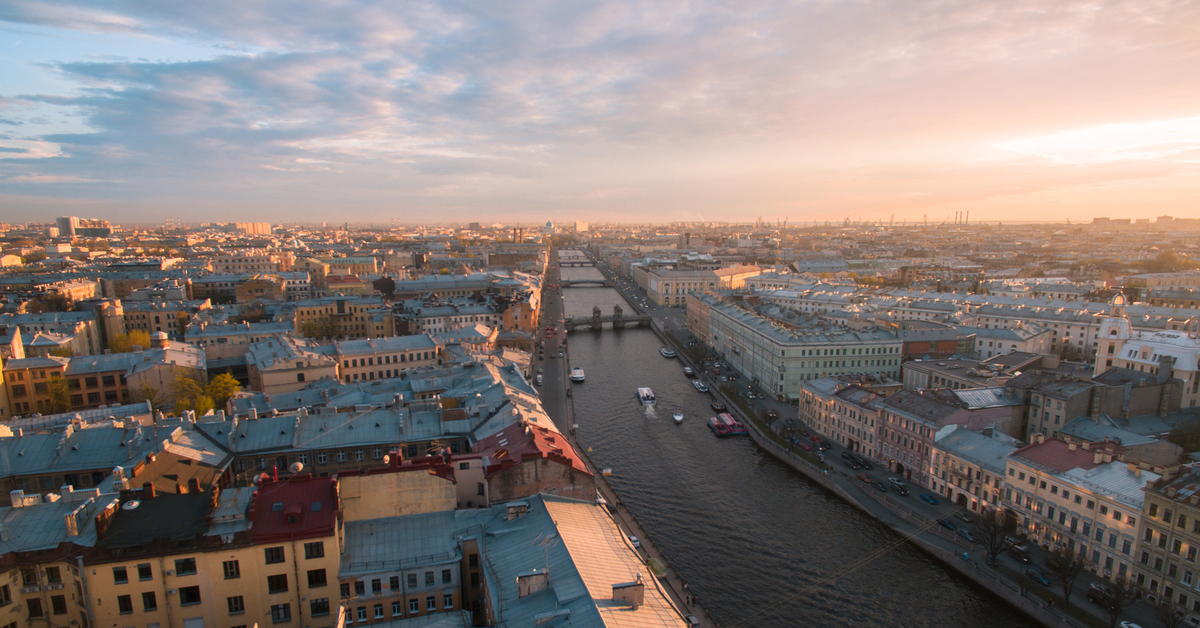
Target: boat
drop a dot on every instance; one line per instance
(734, 426)
(687, 370)
(717, 405)
(718, 427)
(678, 416)
(667, 353)
(646, 396)
(577, 374)
(700, 386)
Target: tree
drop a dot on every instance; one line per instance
(189, 394)
(60, 394)
(1186, 435)
(1066, 565)
(221, 388)
(1168, 613)
(147, 392)
(1121, 594)
(124, 343)
(181, 323)
(992, 531)
(62, 352)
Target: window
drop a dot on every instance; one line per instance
(447, 577)
(314, 550)
(145, 572)
(473, 561)
(448, 601)
(149, 601)
(277, 584)
(281, 613)
(396, 609)
(319, 607)
(362, 613)
(1153, 510)
(237, 605)
(414, 606)
(1176, 546)
(412, 580)
(5, 596)
(58, 604)
(1103, 509)
(360, 587)
(394, 583)
(316, 578)
(189, 595)
(34, 605)
(185, 566)
(431, 603)
(124, 605)
(53, 576)
(232, 569)
(120, 575)
(273, 555)
(379, 611)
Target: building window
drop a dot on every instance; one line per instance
(448, 601)
(447, 577)
(236, 604)
(360, 588)
(124, 605)
(58, 604)
(362, 613)
(397, 610)
(185, 566)
(149, 601)
(145, 572)
(314, 550)
(53, 576)
(120, 575)
(394, 583)
(273, 555)
(277, 584)
(412, 580)
(431, 603)
(281, 613)
(376, 586)
(414, 606)
(316, 578)
(189, 595)
(319, 607)
(379, 611)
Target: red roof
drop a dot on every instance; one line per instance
(1057, 454)
(525, 442)
(300, 507)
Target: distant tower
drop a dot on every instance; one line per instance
(1114, 332)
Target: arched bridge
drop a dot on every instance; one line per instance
(594, 283)
(618, 320)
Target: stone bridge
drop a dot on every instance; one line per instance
(618, 320)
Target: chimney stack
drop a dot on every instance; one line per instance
(148, 491)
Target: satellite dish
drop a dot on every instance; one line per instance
(260, 478)
(296, 467)
(131, 504)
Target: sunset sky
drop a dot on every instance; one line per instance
(600, 111)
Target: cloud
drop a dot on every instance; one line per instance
(520, 104)
(28, 149)
(44, 179)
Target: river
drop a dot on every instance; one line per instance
(758, 543)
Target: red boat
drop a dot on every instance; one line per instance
(718, 426)
(734, 426)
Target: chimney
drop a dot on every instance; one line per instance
(1072, 446)
(148, 491)
(1135, 469)
(194, 485)
(18, 498)
(1039, 438)
(631, 593)
(71, 525)
(1097, 457)
(531, 582)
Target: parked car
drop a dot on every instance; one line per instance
(1128, 624)
(901, 490)
(962, 516)
(1019, 552)
(929, 499)
(966, 535)
(864, 477)
(945, 523)
(633, 540)
(1037, 576)
(803, 445)
(864, 462)
(1099, 594)
(880, 487)
(850, 463)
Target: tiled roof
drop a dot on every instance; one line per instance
(299, 507)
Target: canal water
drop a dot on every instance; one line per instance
(757, 542)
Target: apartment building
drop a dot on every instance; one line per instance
(844, 411)
(670, 288)
(345, 317)
(1170, 354)
(1169, 541)
(969, 466)
(284, 363)
(382, 358)
(1079, 496)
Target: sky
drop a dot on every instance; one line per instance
(663, 111)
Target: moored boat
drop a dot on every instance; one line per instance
(666, 353)
(718, 427)
(717, 405)
(734, 426)
(687, 370)
(678, 416)
(577, 374)
(700, 386)
(646, 396)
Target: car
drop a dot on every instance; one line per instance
(824, 445)
(1019, 552)
(901, 490)
(864, 477)
(1038, 577)
(880, 487)
(850, 463)
(560, 354)
(929, 499)
(863, 461)
(816, 439)
(691, 620)
(633, 540)
(945, 523)
(539, 371)
(803, 445)
(1128, 624)
(962, 516)
(966, 534)
(1099, 594)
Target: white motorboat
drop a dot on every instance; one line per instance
(667, 353)
(577, 374)
(646, 396)
(678, 416)
(700, 386)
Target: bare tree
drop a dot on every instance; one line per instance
(992, 532)
(1066, 565)
(1121, 594)
(1169, 614)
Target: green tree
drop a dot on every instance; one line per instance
(60, 394)
(124, 343)
(62, 352)
(221, 388)
(147, 392)
(181, 323)
(1186, 435)
(189, 394)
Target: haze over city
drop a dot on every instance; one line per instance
(605, 111)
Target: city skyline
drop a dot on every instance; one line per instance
(606, 113)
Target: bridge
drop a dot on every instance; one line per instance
(618, 320)
(595, 283)
(575, 262)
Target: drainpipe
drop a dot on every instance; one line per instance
(87, 599)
